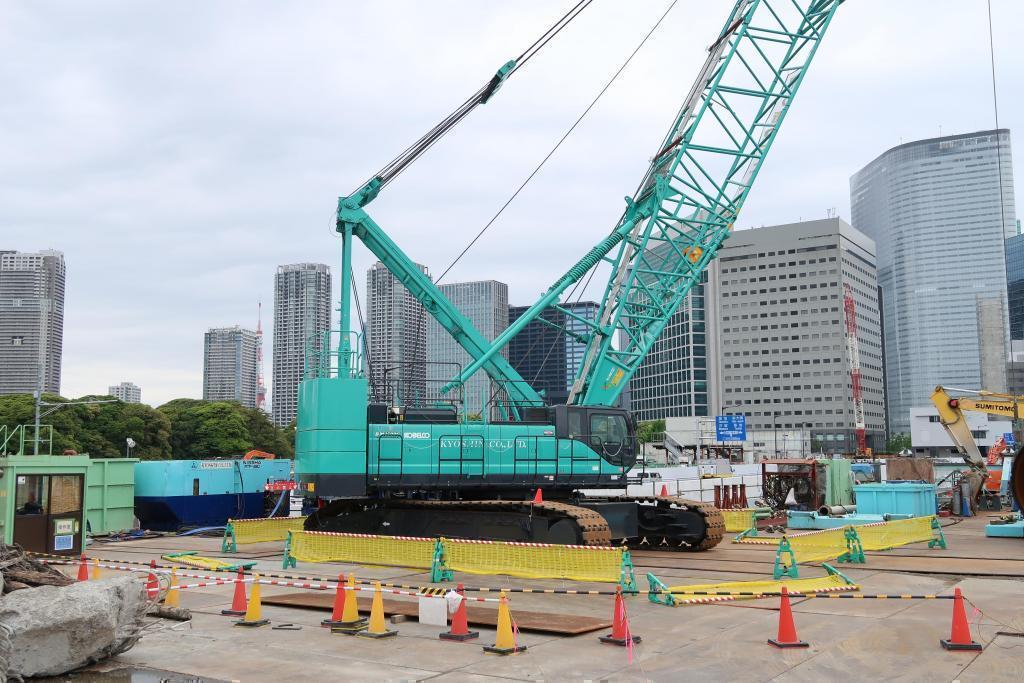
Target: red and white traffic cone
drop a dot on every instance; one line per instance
(787, 629)
(538, 497)
(664, 491)
(620, 634)
(83, 569)
(460, 623)
(960, 632)
(239, 602)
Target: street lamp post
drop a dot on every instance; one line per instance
(775, 431)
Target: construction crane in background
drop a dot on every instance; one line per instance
(415, 468)
(261, 387)
(853, 350)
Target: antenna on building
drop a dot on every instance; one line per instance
(261, 388)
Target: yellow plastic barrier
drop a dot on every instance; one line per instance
(814, 546)
(745, 590)
(738, 520)
(539, 560)
(397, 551)
(242, 531)
(886, 535)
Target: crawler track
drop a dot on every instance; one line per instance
(505, 520)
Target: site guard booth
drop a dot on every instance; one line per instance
(42, 502)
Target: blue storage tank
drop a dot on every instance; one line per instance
(170, 494)
(916, 499)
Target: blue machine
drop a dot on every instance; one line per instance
(170, 494)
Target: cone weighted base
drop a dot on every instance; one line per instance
(504, 650)
(330, 623)
(378, 634)
(461, 637)
(780, 644)
(258, 622)
(950, 645)
(233, 612)
(611, 640)
(349, 628)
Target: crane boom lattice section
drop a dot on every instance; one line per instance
(698, 181)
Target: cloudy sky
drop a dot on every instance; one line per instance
(178, 152)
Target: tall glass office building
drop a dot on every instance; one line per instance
(939, 211)
(1015, 284)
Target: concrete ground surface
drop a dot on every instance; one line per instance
(850, 640)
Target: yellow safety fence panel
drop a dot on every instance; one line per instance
(396, 551)
(260, 530)
(893, 534)
(814, 546)
(821, 584)
(535, 560)
(738, 520)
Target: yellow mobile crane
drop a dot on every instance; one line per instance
(951, 416)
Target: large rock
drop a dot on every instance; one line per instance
(55, 630)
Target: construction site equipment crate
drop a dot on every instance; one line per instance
(895, 498)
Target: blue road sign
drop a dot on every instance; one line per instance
(730, 428)
(1008, 438)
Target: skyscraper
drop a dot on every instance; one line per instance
(31, 321)
(785, 362)
(939, 211)
(485, 304)
(230, 371)
(397, 339)
(1015, 285)
(302, 316)
(126, 391)
(672, 381)
(543, 355)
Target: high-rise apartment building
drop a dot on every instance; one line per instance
(230, 371)
(939, 211)
(397, 338)
(485, 304)
(673, 380)
(31, 321)
(127, 392)
(784, 355)
(302, 319)
(543, 355)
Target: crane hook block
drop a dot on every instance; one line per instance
(496, 81)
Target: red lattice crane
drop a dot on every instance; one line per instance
(853, 349)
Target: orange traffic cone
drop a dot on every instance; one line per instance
(787, 629)
(538, 497)
(960, 633)
(152, 583)
(254, 610)
(239, 601)
(83, 569)
(351, 622)
(172, 599)
(460, 623)
(620, 634)
(95, 575)
(664, 491)
(505, 639)
(377, 628)
(339, 605)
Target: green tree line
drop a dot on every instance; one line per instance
(182, 428)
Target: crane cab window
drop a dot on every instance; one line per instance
(608, 430)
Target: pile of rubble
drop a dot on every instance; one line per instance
(50, 624)
(18, 571)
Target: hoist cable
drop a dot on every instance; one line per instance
(395, 167)
(561, 140)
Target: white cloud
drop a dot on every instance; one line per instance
(178, 152)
